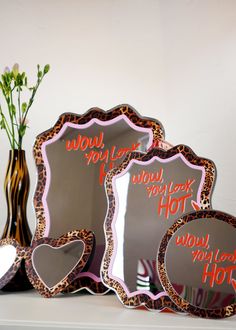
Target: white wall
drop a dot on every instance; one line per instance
(170, 59)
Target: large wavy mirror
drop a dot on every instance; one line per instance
(72, 160)
(197, 263)
(146, 193)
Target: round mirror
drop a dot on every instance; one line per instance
(197, 263)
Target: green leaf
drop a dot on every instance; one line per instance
(24, 107)
(26, 81)
(13, 109)
(40, 74)
(46, 68)
(22, 130)
(2, 124)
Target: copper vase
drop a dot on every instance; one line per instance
(16, 187)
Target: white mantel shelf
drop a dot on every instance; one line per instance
(28, 310)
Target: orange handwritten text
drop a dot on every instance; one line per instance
(213, 256)
(212, 272)
(146, 177)
(171, 205)
(96, 153)
(83, 142)
(170, 188)
(217, 275)
(107, 155)
(191, 241)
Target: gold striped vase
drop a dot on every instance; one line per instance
(16, 187)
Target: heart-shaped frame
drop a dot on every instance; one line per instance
(84, 236)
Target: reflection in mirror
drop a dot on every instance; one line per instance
(11, 255)
(146, 194)
(76, 155)
(7, 258)
(200, 264)
(53, 264)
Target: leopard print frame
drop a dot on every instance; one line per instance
(178, 300)
(21, 253)
(143, 299)
(87, 237)
(133, 116)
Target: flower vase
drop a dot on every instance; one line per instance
(16, 187)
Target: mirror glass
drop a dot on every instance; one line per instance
(201, 263)
(148, 193)
(53, 264)
(150, 196)
(73, 159)
(7, 258)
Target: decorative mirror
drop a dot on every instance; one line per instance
(51, 264)
(145, 195)
(72, 160)
(197, 263)
(11, 255)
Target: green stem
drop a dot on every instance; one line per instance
(6, 127)
(32, 97)
(12, 142)
(12, 115)
(19, 111)
(9, 138)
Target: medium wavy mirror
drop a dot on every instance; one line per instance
(146, 193)
(197, 263)
(72, 160)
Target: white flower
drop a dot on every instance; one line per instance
(15, 69)
(6, 69)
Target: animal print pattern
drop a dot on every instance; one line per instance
(88, 284)
(130, 113)
(143, 299)
(214, 313)
(87, 237)
(21, 253)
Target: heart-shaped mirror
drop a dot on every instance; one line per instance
(72, 159)
(197, 263)
(53, 264)
(145, 195)
(11, 255)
